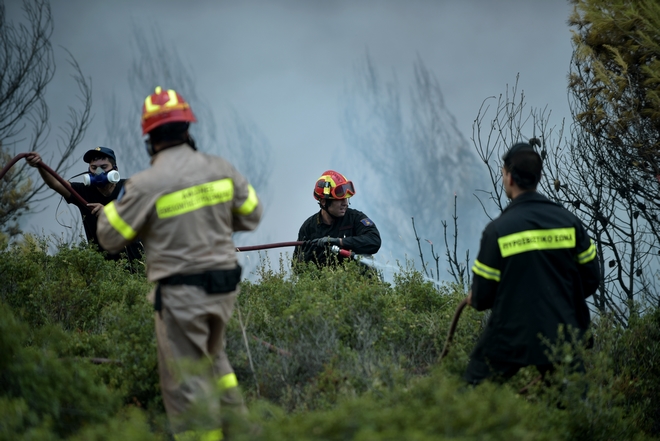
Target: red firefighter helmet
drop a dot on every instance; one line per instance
(333, 185)
(163, 107)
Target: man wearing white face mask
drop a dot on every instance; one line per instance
(100, 186)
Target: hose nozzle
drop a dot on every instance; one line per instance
(343, 253)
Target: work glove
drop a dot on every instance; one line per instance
(323, 242)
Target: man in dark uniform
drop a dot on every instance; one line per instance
(335, 224)
(102, 188)
(535, 268)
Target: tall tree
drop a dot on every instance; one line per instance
(615, 86)
(27, 66)
(411, 158)
(575, 176)
(614, 89)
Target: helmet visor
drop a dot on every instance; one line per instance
(345, 190)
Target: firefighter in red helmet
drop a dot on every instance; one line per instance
(186, 208)
(335, 223)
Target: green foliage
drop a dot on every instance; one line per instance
(620, 43)
(636, 361)
(603, 164)
(433, 408)
(339, 332)
(129, 424)
(41, 390)
(65, 312)
(568, 406)
(615, 83)
(330, 354)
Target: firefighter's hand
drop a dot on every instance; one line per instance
(324, 242)
(95, 208)
(33, 159)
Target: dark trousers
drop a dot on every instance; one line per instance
(481, 368)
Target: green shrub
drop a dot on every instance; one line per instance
(321, 354)
(343, 333)
(636, 360)
(39, 388)
(128, 425)
(432, 408)
(99, 312)
(70, 288)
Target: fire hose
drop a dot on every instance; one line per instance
(452, 328)
(270, 245)
(41, 164)
(335, 249)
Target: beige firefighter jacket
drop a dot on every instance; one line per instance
(184, 209)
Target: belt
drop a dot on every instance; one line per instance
(213, 282)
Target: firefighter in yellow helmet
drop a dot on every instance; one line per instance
(185, 209)
(335, 223)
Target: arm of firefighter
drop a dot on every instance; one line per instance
(246, 208)
(113, 231)
(33, 159)
(366, 239)
(588, 265)
(121, 220)
(487, 273)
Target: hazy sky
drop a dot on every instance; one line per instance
(285, 64)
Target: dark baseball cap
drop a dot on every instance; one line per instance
(99, 151)
(517, 148)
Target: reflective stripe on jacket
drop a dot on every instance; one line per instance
(535, 268)
(185, 209)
